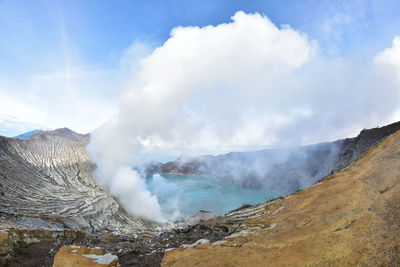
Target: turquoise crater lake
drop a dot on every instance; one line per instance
(182, 195)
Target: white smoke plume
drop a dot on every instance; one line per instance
(246, 82)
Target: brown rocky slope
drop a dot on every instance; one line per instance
(349, 218)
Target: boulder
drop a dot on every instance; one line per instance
(80, 256)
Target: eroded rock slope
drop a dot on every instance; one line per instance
(47, 182)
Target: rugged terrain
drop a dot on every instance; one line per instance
(281, 170)
(49, 199)
(351, 218)
(47, 181)
(48, 196)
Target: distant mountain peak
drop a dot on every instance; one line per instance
(28, 134)
(61, 132)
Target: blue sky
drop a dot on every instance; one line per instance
(54, 53)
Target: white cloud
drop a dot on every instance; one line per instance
(388, 66)
(390, 58)
(200, 74)
(334, 26)
(242, 83)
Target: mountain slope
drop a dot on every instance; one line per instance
(350, 218)
(47, 182)
(282, 170)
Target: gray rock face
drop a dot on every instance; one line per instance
(47, 182)
(353, 148)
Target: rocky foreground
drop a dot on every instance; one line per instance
(52, 213)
